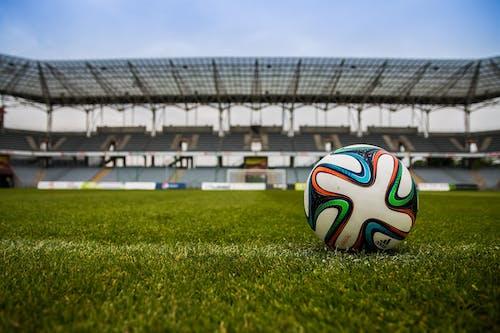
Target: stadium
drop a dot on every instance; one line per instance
(191, 218)
(168, 155)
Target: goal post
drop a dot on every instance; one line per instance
(272, 177)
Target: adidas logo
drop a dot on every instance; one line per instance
(383, 243)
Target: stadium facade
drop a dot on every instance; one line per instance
(106, 153)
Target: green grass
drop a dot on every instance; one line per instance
(237, 261)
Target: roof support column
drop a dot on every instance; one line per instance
(102, 115)
(283, 118)
(290, 115)
(163, 116)
(221, 129)
(46, 94)
(153, 122)
(2, 113)
(349, 116)
(49, 119)
(467, 119)
(427, 122)
(87, 123)
(360, 128)
(229, 116)
(413, 115)
(391, 111)
(196, 115)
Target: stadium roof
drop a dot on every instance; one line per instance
(251, 80)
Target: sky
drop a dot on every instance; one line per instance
(90, 29)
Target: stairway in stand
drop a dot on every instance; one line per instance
(100, 174)
(176, 176)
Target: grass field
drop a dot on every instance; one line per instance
(231, 261)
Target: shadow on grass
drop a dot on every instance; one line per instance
(323, 249)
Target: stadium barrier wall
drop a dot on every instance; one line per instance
(214, 186)
(300, 186)
(103, 185)
(44, 185)
(440, 187)
(140, 186)
(464, 187)
(421, 187)
(276, 186)
(171, 186)
(65, 185)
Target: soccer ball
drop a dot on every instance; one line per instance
(360, 197)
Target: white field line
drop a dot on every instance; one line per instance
(199, 249)
(179, 249)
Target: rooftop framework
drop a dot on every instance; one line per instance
(222, 82)
(251, 80)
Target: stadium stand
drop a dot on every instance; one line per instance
(194, 177)
(26, 176)
(460, 176)
(206, 142)
(306, 142)
(308, 139)
(442, 175)
(422, 144)
(487, 141)
(254, 83)
(140, 174)
(233, 142)
(164, 142)
(489, 178)
(78, 174)
(297, 175)
(17, 140)
(272, 139)
(68, 142)
(448, 143)
(53, 174)
(136, 142)
(221, 175)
